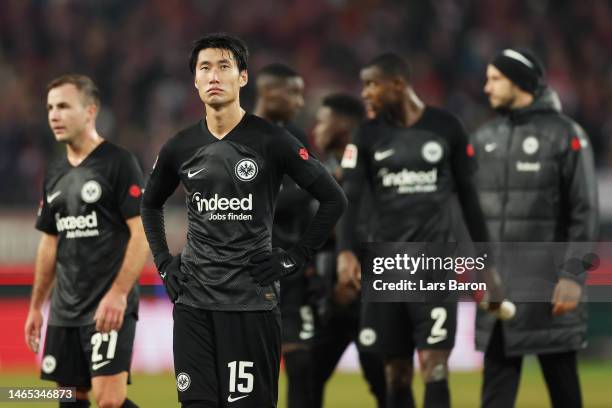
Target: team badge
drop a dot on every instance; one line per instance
(432, 152)
(183, 381)
(367, 336)
(91, 191)
(530, 145)
(303, 153)
(246, 169)
(48, 364)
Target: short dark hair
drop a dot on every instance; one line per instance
(392, 64)
(83, 83)
(344, 104)
(278, 70)
(222, 41)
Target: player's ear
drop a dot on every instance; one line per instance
(92, 111)
(399, 83)
(195, 83)
(244, 78)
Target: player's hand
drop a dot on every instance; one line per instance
(565, 296)
(110, 311)
(495, 293)
(32, 328)
(348, 269)
(173, 278)
(269, 267)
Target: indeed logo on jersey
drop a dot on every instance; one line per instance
(82, 226)
(409, 181)
(215, 204)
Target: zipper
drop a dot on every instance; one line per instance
(505, 184)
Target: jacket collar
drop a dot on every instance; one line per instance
(546, 100)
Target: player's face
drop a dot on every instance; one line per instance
(380, 92)
(328, 128)
(283, 98)
(68, 112)
(500, 90)
(217, 77)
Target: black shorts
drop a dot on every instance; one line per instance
(73, 355)
(227, 358)
(396, 329)
(298, 316)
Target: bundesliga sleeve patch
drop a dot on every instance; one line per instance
(303, 153)
(349, 158)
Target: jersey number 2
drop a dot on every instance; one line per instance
(438, 333)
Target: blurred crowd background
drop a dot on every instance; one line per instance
(137, 53)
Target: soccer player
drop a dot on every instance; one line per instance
(91, 253)
(337, 119)
(280, 97)
(407, 138)
(225, 281)
(537, 183)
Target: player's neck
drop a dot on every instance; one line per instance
(221, 121)
(78, 149)
(522, 100)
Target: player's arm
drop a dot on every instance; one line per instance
(463, 167)
(354, 169)
(579, 187)
(163, 181)
(127, 188)
(44, 275)
(109, 315)
(310, 175)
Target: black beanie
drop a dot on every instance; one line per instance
(521, 67)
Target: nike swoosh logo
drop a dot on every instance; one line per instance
(99, 365)
(489, 147)
(378, 156)
(287, 265)
(162, 275)
(53, 196)
(232, 399)
(190, 174)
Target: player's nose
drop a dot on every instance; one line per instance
(487, 88)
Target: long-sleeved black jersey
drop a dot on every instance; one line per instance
(231, 185)
(412, 173)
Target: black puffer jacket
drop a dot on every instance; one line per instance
(537, 183)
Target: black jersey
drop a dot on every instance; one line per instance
(412, 173)
(86, 207)
(231, 185)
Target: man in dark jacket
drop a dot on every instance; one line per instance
(537, 183)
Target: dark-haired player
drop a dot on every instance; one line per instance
(413, 157)
(225, 281)
(548, 193)
(280, 97)
(91, 253)
(337, 119)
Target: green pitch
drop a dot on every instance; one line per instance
(349, 390)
